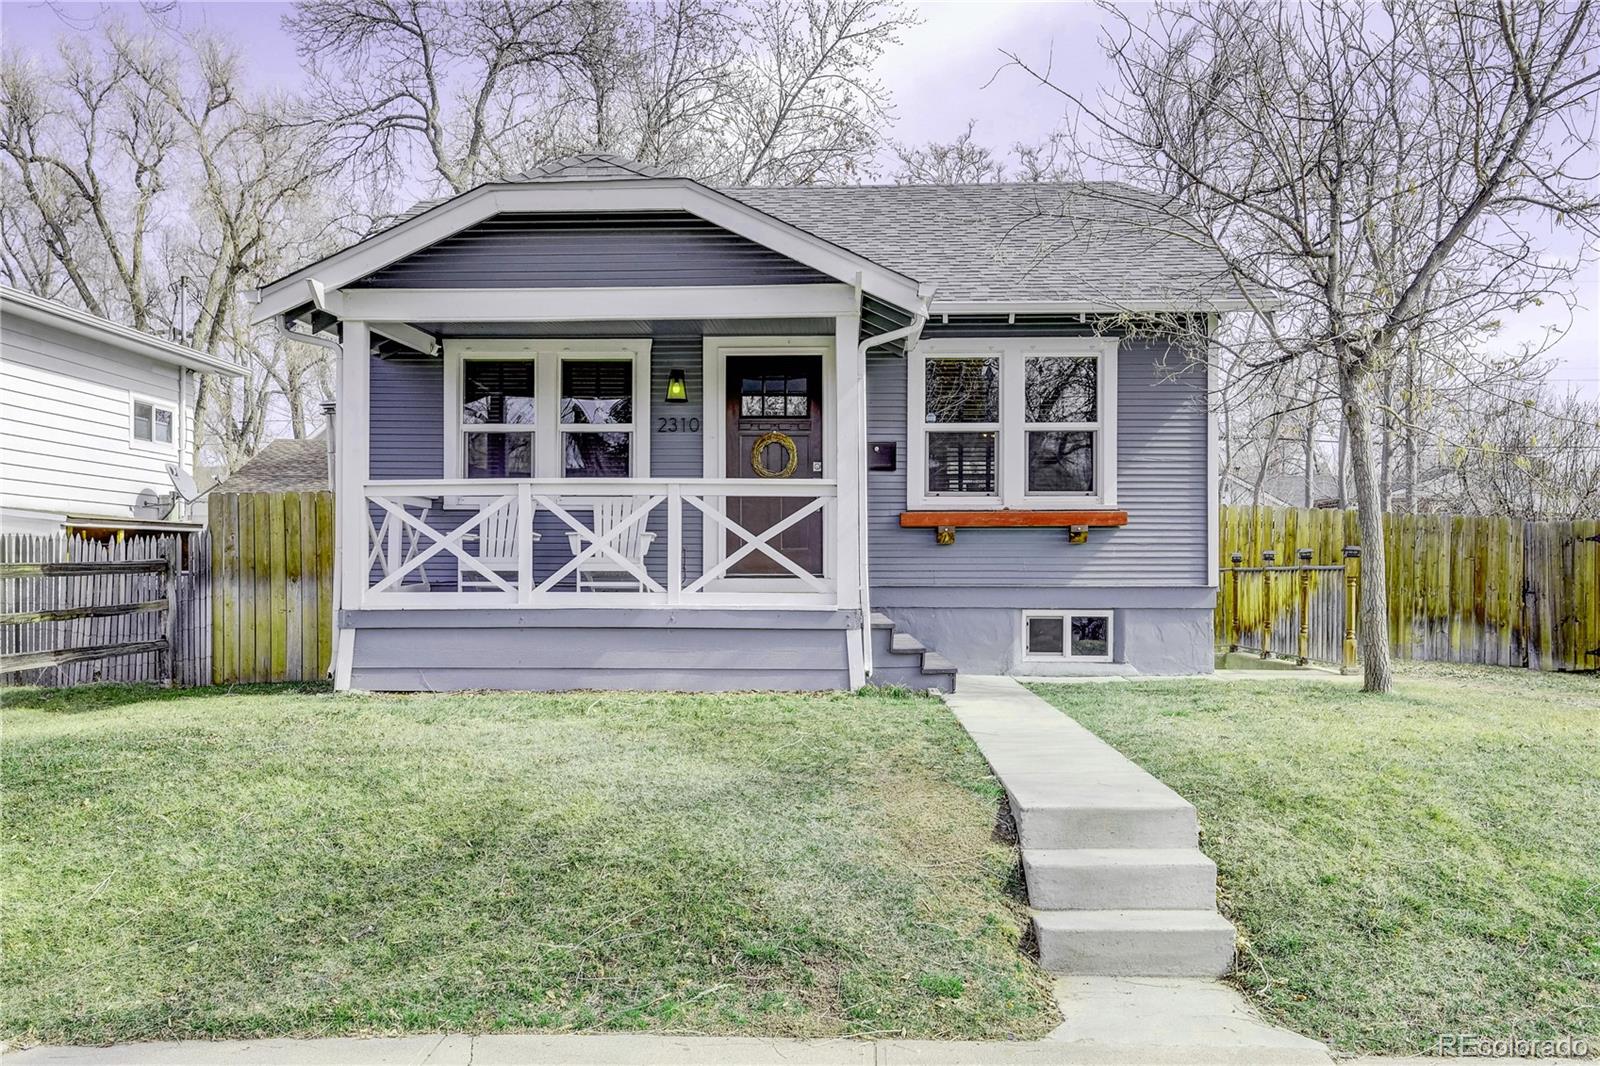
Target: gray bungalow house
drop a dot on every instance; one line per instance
(602, 426)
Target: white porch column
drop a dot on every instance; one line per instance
(850, 424)
(354, 444)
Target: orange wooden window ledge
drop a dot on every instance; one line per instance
(1009, 519)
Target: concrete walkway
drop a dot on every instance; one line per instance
(1111, 855)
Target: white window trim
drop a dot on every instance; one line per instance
(1011, 445)
(159, 447)
(1066, 655)
(547, 356)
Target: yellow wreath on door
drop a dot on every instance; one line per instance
(760, 446)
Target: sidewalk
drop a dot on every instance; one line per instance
(1108, 1021)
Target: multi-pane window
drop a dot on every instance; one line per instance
(962, 399)
(152, 423)
(596, 417)
(1060, 407)
(498, 415)
(1012, 423)
(774, 396)
(1078, 635)
(545, 409)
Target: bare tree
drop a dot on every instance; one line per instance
(1523, 454)
(766, 92)
(962, 161)
(143, 184)
(1459, 130)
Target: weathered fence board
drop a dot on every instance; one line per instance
(272, 586)
(65, 600)
(1466, 589)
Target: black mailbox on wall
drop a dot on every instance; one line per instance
(881, 455)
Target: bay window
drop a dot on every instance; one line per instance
(1014, 424)
(545, 408)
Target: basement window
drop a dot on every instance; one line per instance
(1067, 636)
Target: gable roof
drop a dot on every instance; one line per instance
(15, 302)
(1072, 246)
(282, 466)
(1064, 247)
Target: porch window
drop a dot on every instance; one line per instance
(1012, 424)
(498, 409)
(597, 417)
(545, 408)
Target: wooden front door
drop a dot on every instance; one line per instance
(775, 397)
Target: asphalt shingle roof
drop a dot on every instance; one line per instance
(1092, 244)
(282, 466)
(1098, 243)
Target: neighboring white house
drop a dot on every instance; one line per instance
(91, 415)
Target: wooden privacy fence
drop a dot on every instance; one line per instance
(74, 610)
(272, 585)
(1461, 589)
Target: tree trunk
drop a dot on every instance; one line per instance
(1344, 465)
(1373, 635)
(1386, 454)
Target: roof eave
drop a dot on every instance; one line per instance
(1195, 305)
(38, 309)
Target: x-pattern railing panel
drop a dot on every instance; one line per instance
(603, 549)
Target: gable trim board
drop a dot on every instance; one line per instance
(644, 194)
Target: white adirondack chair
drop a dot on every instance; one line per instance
(494, 544)
(394, 543)
(600, 573)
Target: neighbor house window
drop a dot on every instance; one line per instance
(545, 409)
(1013, 424)
(1078, 636)
(153, 423)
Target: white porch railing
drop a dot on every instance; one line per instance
(643, 542)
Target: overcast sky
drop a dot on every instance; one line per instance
(944, 72)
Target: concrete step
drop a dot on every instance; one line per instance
(1135, 943)
(902, 659)
(906, 644)
(1106, 812)
(1092, 879)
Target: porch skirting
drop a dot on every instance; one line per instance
(699, 650)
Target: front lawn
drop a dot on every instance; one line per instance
(1400, 867)
(285, 861)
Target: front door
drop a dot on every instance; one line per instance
(774, 413)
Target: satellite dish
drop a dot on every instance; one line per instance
(188, 491)
(148, 505)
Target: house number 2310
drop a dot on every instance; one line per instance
(678, 425)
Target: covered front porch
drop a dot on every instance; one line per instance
(703, 459)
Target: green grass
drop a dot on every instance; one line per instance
(285, 861)
(1399, 867)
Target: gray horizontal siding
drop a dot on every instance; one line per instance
(529, 250)
(797, 651)
(1161, 483)
(407, 441)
